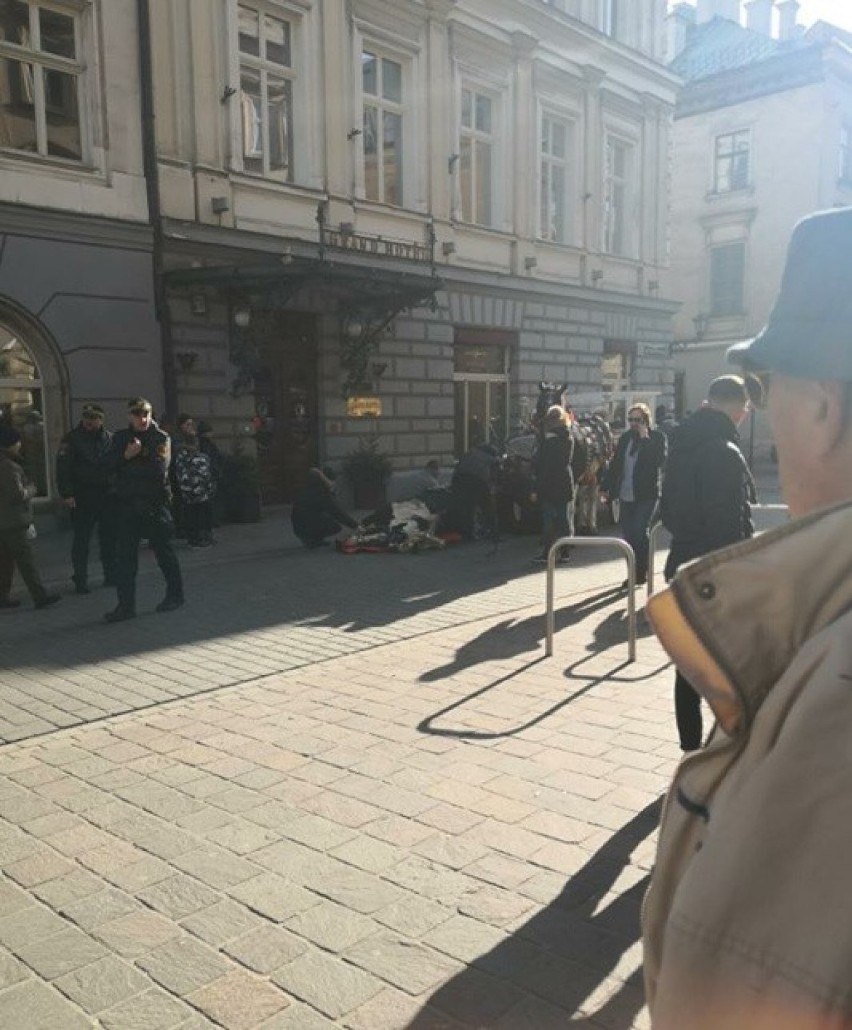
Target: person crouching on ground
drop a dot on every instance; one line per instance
(316, 515)
(16, 517)
(554, 479)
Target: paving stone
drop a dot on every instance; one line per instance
(393, 1008)
(97, 909)
(493, 905)
(183, 965)
(29, 924)
(102, 984)
(299, 1017)
(413, 916)
(11, 971)
(153, 1010)
(405, 964)
(328, 984)
(66, 889)
(137, 933)
(241, 837)
(239, 1001)
(12, 898)
(45, 865)
(331, 926)
(54, 956)
(178, 896)
(273, 896)
(221, 922)
(32, 1004)
(369, 854)
(215, 867)
(266, 948)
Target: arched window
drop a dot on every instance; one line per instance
(22, 404)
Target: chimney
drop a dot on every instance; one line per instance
(709, 9)
(679, 21)
(759, 16)
(788, 11)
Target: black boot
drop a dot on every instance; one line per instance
(119, 615)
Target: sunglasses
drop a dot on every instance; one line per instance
(757, 387)
(140, 411)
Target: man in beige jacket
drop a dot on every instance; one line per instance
(748, 921)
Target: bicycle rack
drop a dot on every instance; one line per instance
(596, 541)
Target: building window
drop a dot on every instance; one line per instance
(22, 405)
(844, 170)
(481, 377)
(381, 85)
(618, 197)
(476, 157)
(733, 161)
(41, 80)
(727, 270)
(266, 92)
(554, 214)
(610, 17)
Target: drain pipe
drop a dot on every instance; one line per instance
(155, 216)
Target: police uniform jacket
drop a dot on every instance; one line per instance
(142, 482)
(83, 462)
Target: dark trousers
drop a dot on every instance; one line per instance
(688, 714)
(90, 511)
(324, 527)
(555, 522)
(634, 518)
(133, 526)
(198, 521)
(469, 495)
(15, 549)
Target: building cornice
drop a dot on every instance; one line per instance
(27, 220)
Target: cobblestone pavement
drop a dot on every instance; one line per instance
(344, 792)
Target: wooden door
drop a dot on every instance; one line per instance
(286, 406)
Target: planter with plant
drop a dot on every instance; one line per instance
(367, 469)
(241, 488)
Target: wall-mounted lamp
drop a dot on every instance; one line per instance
(347, 228)
(186, 359)
(198, 303)
(452, 161)
(448, 248)
(242, 318)
(353, 133)
(700, 322)
(530, 262)
(353, 327)
(379, 368)
(220, 205)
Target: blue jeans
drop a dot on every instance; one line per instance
(555, 522)
(633, 520)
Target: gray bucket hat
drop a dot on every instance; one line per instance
(809, 333)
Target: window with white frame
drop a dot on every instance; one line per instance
(476, 156)
(732, 164)
(41, 79)
(555, 179)
(844, 165)
(727, 274)
(265, 43)
(382, 92)
(618, 228)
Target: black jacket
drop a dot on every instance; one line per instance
(554, 478)
(143, 481)
(708, 489)
(83, 462)
(314, 507)
(648, 468)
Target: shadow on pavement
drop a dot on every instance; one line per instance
(515, 637)
(545, 972)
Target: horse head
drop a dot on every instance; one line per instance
(549, 394)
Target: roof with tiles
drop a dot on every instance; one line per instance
(720, 45)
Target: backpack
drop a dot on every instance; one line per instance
(194, 476)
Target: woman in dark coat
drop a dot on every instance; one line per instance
(554, 479)
(316, 514)
(634, 479)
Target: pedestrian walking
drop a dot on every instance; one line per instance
(84, 481)
(706, 503)
(140, 457)
(195, 485)
(746, 924)
(633, 479)
(554, 479)
(16, 521)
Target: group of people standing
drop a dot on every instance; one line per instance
(132, 485)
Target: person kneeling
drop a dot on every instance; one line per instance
(316, 514)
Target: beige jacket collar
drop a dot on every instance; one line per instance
(733, 621)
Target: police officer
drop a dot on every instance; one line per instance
(83, 477)
(140, 457)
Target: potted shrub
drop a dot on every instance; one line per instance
(241, 488)
(367, 469)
